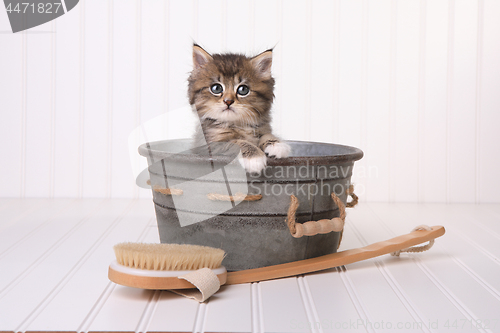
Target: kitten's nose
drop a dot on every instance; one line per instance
(228, 101)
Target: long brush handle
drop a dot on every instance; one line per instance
(334, 259)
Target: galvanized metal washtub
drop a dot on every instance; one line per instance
(253, 233)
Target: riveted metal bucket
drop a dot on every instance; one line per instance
(253, 233)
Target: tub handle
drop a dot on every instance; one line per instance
(237, 197)
(354, 197)
(165, 190)
(312, 228)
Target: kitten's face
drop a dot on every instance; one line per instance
(231, 87)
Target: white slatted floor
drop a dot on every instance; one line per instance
(54, 256)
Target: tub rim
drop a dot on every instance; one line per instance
(352, 154)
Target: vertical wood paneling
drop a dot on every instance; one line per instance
(336, 68)
(277, 122)
(265, 27)
(183, 31)
(67, 99)
(239, 27)
(4, 22)
(405, 126)
(294, 70)
(210, 24)
(95, 120)
(392, 95)
(433, 141)
(350, 71)
(154, 65)
(351, 75)
(182, 27)
(109, 111)
(414, 84)
(81, 101)
(489, 101)
(126, 111)
(53, 68)
(479, 72)
(360, 179)
(377, 102)
(421, 96)
(323, 61)
(308, 68)
(11, 124)
(38, 109)
(267, 30)
(461, 122)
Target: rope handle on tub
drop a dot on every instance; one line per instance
(324, 226)
(312, 228)
(212, 196)
(354, 197)
(165, 190)
(240, 196)
(237, 197)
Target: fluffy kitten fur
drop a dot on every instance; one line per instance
(232, 95)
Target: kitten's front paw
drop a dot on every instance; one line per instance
(278, 150)
(253, 164)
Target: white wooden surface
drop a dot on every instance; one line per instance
(412, 83)
(54, 255)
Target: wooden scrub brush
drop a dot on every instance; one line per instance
(159, 266)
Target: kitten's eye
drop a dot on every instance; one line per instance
(243, 90)
(216, 88)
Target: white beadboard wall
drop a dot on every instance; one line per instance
(414, 83)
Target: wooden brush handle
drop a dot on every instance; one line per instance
(334, 259)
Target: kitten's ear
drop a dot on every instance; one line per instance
(263, 62)
(200, 56)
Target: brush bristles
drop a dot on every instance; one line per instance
(168, 257)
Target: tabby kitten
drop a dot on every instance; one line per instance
(232, 95)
